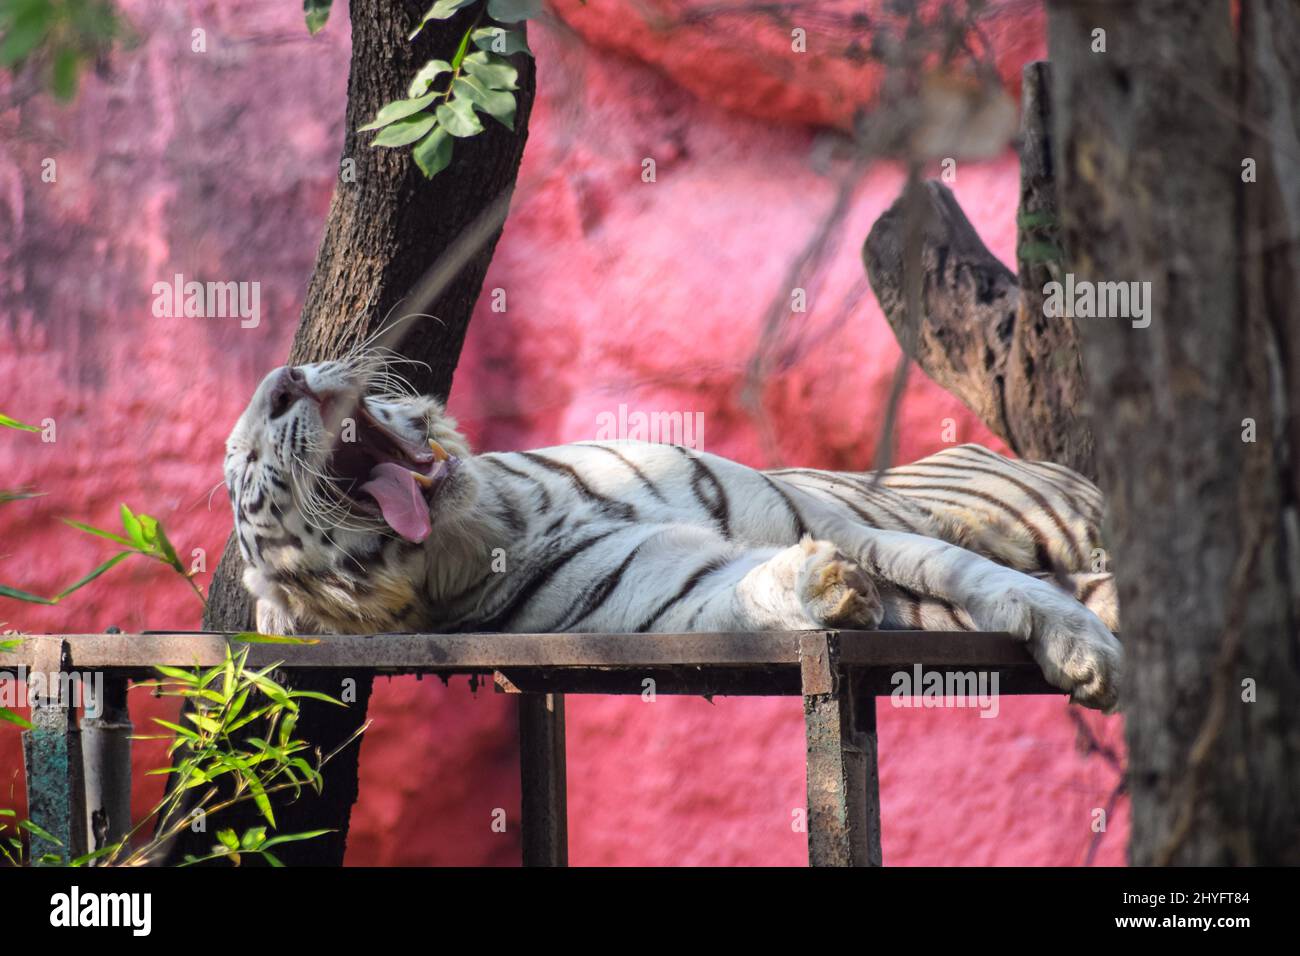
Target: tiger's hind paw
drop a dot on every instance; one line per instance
(835, 591)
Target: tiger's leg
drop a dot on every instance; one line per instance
(1095, 591)
(691, 579)
(1075, 649)
(1032, 516)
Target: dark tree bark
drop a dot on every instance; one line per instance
(981, 332)
(385, 230)
(1152, 135)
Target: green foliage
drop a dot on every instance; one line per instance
(143, 535)
(483, 81)
(317, 14)
(8, 716)
(14, 423)
(226, 770)
(58, 36)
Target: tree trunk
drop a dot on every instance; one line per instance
(1198, 411)
(981, 333)
(387, 226)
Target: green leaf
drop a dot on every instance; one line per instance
(8, 715)
(67, 64)
(167, 551)
(315, 695)
(272, 859)
(433, 153)
(397, 110)
(404, 131)
(293, 837)
(38, 831)
(99, 532)
(252, 637)
(1028, 220)
(177, 673)
(8, 422)
(260, 798)
(501, 41)
(512, 11)
(26, 31)
(460, 50)
(236, 706)
(91, 857)
(17, 595)
(19, 494)
(1039, 252)
(134, 530)
(442, 10)
(204, 722)
(428, 73)
(458, 118)
(183, 731)
(116, 559)
(10, 643)
(492, 70)
(498, 104)
(253, 838)
(317, 14)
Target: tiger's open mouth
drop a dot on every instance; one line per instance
(386, 475)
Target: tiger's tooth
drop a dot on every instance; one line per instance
(422, 479)
(439, 452)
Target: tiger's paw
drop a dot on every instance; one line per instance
(835, 591)
(1073, 647)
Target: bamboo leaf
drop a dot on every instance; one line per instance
(14, 423)
(252, 637)
(100, 532)
(116, 559)
(9, 716)
(17, 595)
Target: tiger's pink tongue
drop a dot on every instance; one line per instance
(400, 499)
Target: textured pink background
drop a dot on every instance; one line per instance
(220, 166)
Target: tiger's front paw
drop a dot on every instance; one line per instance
(835, 591)
(1073, 647)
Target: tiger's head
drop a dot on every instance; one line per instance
(338, 474)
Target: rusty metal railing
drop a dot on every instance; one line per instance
(78, 774)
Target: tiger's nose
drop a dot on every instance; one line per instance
(290, 385)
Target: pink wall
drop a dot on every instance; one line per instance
(220, 166)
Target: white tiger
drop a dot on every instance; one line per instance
(361, 509)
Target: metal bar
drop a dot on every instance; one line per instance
(488, 652)
(52, 757)
(864, 720)
(713, 681)
(839, 804)
(106, 761)
(543, 780)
